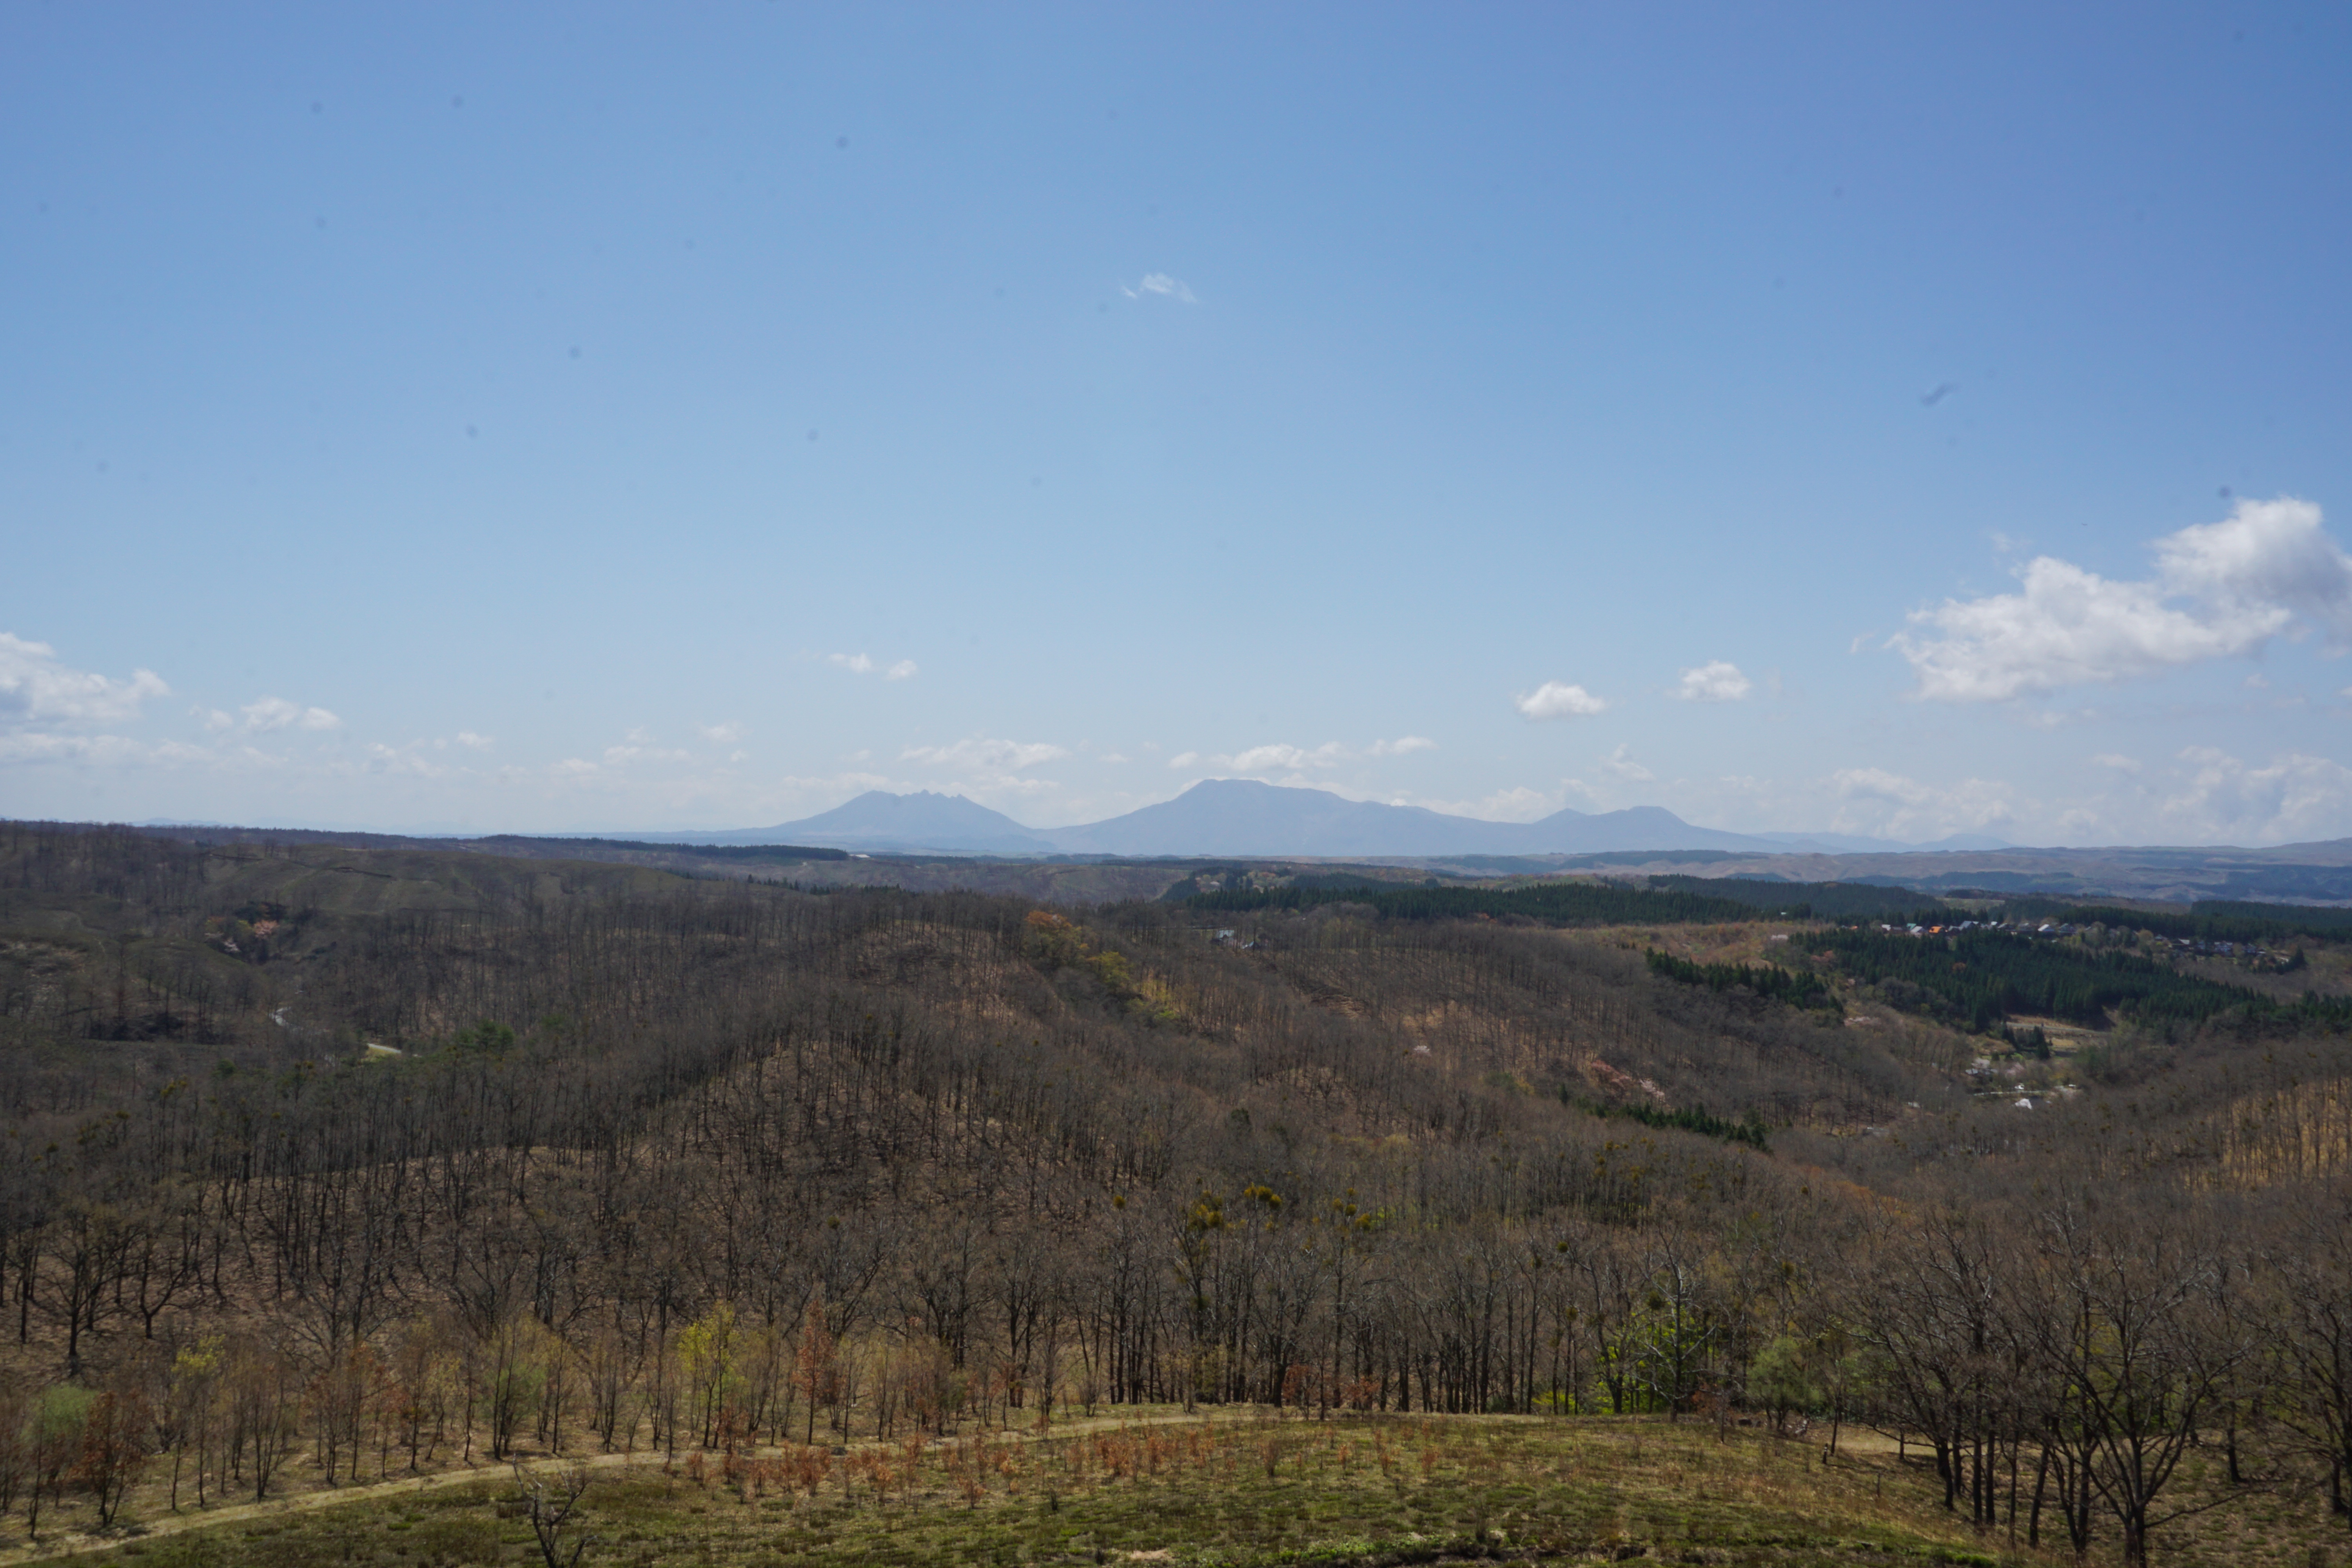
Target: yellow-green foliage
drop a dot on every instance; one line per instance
(1053, 941)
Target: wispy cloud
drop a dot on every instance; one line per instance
(2220, 590)
(725, 734)
(859, 664)
(1159, 283)
(1276, 755)
(1716, 681)
(981, 751)
(35, 687)
(1875, 800)
(2293, 796)
(1518, 804)
(48, 746)
(1622, 764)
(274, 713)
(637, 750)
(1558, 700)
(2203, 795)
(402, 759)
(1260, 759)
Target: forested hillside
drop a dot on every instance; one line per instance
(327, 1163)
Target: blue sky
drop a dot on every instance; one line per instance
(1883, 419)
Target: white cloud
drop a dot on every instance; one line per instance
(272, 713)
(2265, 554)
(1880, 802)
(725, 734)
(1161, 284)
(2221, 590)
(1278, 756)
(1001, 785)
(468, 739)
(34, 687)
(1519, 804)
(1717, 681)
(2058, 717)
(620, 757)
(2293, 798)
(1259, 759)
(859, 664)
(979, 752)
(382, 758)
(47, 746)
(1557, 700)
(1622, 764)
(2118, 762)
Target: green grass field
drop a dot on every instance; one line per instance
(1224, 1492)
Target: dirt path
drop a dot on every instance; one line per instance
(77, 1543)
(1858, 1441)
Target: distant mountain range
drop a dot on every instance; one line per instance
(1244, 817)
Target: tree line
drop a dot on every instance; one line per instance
(1558, 902)
(1985, 976)
(1795, 988)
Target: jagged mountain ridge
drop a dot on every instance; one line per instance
(1242, 817)
(1230, 816)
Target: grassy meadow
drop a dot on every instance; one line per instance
(1220, 1490)
(1176, 1489)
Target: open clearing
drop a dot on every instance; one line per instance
(1176, 1489)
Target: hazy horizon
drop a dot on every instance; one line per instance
(461, 830)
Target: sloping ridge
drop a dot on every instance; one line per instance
(879, 820)
(1241, 816)
(1244, 816)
